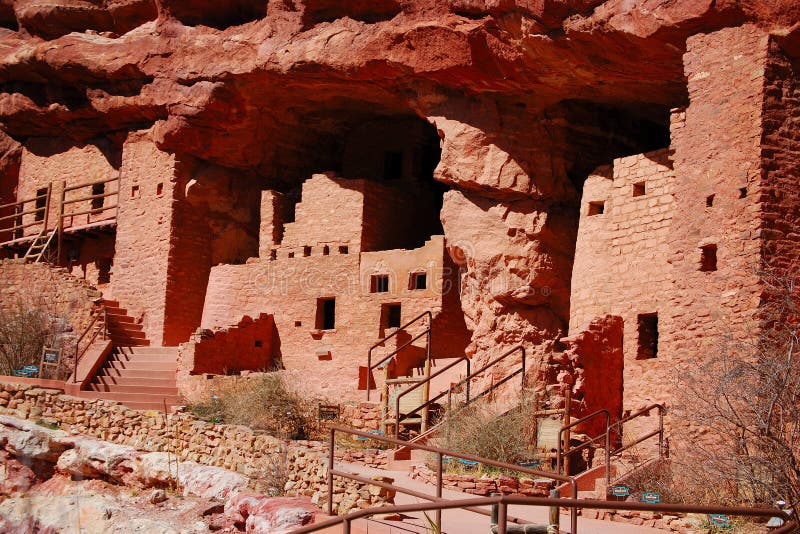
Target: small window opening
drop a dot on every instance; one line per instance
(291, 254)
(258, 343)
(639, 189)
(97, 203)
(326, 314)
(306, 251)
(742, 192)
(708, 258)
(135, 191)
(298, 324)
(709, 201)
(379, 283)
(418, 281)
(273, 254)
(326, 250)
(160, 189)
(648, 336)
(344, 249)
(392, 165)
(41, 204)
(596, 208)
(391, 316)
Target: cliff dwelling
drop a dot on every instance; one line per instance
(582, 200)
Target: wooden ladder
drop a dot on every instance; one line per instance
(40, 245)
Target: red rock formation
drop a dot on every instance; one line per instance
(527, 97)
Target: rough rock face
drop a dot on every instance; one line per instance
(527, 98)
(105, 487)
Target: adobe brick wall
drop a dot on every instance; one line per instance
(246, 347)
(288, 289)
(642, 255)
(53, 289)
(55, 160)
(780, 142)
(144, 228)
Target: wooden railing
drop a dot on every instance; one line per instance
(14, 224)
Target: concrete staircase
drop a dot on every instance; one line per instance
(135, 374)
(122, 328)
(141, 378)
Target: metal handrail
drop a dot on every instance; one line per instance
(427, 332)
(560, 454)
(80, 353)
(403, 393)
(563, 450)
(440, 454)
(503, 502)
(466, 382)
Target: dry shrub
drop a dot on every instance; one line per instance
(262, 402)
(25, 329)
(487, 430)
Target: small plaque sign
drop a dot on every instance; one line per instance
(328, 412)
(547, 431)
(51, 356)
(720, 520)
(620, 491)
(651, 497)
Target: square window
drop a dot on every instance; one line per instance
(709, 201)
(306, 251)
(344, 249)
(326, 314)
(742, 192)
(391, 317)
(708, 258)
(379, 283)
(639, 189)
(648, 336)
(97, 191)
(418, 281)
(326, 250)
(135, 191)
(596, 208)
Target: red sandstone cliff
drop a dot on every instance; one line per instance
(527, 96)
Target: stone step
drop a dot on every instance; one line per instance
(138, 388)
(133, 330)
(142, 358)
(120, 318)
(153, 350)
(135, 381)
(142, 366)
(136, 373)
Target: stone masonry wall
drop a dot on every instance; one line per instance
(144, 225)
(41, 286)
(326, 361)
(232, 447)
(56, 160)
(780, 154)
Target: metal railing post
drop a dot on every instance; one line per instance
(660, 433)
(331, 448)
(369, 371)
(502, 518)
(439, 483)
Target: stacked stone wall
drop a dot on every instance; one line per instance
(232, 447)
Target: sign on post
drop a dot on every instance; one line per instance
(51, 360)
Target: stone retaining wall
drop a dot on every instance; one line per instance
(485, 485)
(238, 448)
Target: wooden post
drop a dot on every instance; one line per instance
(567, 410)
(60, 222)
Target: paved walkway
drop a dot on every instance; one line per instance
(461, 521)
